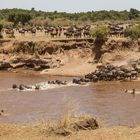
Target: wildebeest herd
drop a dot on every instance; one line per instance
(103, 73)
(65, 31)
(51, 31)
(110, 73)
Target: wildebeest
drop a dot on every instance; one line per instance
(9, 32)
(22, 32)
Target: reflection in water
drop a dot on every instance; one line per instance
(106, 101)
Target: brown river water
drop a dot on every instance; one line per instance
(105, 100)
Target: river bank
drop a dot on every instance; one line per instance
(66, 57)
(35, 132)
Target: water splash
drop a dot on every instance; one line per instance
(46, 86)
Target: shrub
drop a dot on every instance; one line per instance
(100, 32)
(133, 33)
(39, 21)
(19, 16)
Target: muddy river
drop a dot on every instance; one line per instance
(106, 101)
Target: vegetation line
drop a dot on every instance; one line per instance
(16, 16)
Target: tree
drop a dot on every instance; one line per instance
(24, 16)
(32, 9)
(19, 17)
(133, 14)
(100, 33)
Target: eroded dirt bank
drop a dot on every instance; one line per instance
(66, 57)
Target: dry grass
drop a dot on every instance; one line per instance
(66, 126)
(62, 128)
(113, 133)
(40, 132)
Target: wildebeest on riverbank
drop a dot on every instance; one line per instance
(103, 73)
(110, 73)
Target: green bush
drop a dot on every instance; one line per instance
(100, 32)
(20, 16)
(133, 33)
(6, 24)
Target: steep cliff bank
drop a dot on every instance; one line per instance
(65, 57)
